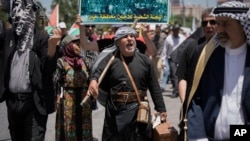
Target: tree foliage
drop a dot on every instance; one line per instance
(67, 10)
(3, 15)
(178, 19)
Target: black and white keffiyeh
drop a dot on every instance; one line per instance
(123, 31)
(235, 10)
(23, 20)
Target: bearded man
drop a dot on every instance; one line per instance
(223, 94)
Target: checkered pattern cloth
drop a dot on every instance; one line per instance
(238, 11)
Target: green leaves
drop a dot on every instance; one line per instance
(67, 10)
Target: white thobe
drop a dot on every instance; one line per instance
(231, 109)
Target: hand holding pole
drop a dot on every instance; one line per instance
(85, 99)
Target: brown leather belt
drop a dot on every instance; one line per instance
(127, 97)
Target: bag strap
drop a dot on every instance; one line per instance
(199, 69)
(85, 99)
(131, 79)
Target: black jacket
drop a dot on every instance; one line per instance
(41, 70)
(206, 103)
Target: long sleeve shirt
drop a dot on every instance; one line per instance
(171, 43)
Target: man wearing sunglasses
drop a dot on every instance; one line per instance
(90, 56)
(196, 43)
(185, 70)
(205, 22)
(90, 32)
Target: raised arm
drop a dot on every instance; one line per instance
(151, 49)
(53, 41)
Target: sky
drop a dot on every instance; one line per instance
(205, 3)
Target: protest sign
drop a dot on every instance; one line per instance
(124, 11)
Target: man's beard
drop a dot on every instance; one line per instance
(227, 44)
(224, 40)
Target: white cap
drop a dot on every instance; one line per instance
(62, 25)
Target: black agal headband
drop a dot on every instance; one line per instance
(233, 10)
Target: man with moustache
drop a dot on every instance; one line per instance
(223, 94)
(120, 122)
(193, 49)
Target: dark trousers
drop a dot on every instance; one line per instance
(25, 123)
(173, 77)
(120, 123)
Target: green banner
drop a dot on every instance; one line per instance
(124, 11)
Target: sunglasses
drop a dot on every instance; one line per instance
(211, 22)
(88, 26)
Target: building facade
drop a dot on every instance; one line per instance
(175, 2)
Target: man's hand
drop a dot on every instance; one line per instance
(144, 29)
(163, 117)
(78, 19)
(56, 37)
(93, 88)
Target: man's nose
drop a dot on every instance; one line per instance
(220, 29)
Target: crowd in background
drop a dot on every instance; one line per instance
(73, 121)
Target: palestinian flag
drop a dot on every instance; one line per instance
(74, 30)
(54, 17)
